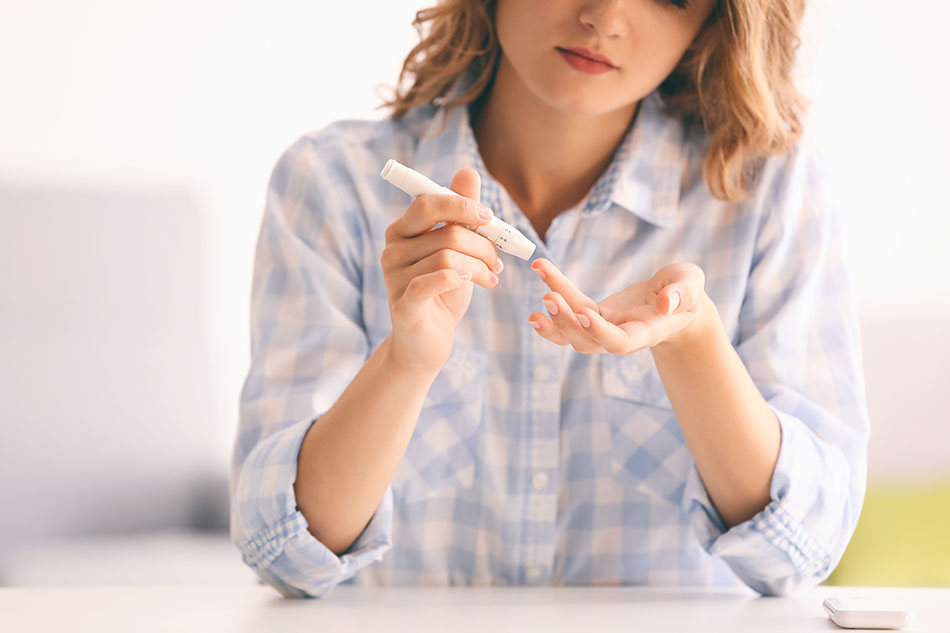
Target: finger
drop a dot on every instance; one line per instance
(429, 209)
(451, 236)
(560, 284)
(466, 182)
(677, 288)
(646, 328)
(428, 286)
(543, 326)
(564, 318)
(612, 338)
(676, 299)
(447, 259)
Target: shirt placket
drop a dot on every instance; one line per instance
(545, 370)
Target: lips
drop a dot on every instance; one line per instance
(583, 52)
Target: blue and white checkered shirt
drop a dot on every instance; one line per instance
(532, 463)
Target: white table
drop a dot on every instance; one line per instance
(446, 610)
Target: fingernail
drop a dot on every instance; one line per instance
(539, 271)
(674, 302)
(551, 306)
(499, 265)
(484, 212)
(493, 277)
(536, 325)
(583, 320)
(464, 275)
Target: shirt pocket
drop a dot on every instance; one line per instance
(444, 445)
(647, 449)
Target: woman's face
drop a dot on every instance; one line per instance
(642, 39)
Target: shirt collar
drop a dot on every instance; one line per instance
(646, 172)
(644, 175)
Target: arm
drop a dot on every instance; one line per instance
(337, 487)
(776, 490)
(308, 341)
(731, 431)
(351, 453)
(798, 353)
(324, 423)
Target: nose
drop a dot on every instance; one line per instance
(606, 18)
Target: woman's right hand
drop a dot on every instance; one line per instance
(429, 273)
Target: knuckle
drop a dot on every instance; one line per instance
(444, 258)
(490, 254)
(690, 269)
(455, 235)
(490, 277)
(387, 258)
(430, 208)
(422, 204)
(700, 274)
(397, 305)
(467, 206)
(413, 287)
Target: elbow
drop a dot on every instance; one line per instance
(313, 591)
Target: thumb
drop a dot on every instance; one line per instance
(677, 288)
(467, 183)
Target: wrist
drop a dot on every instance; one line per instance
(395, 364)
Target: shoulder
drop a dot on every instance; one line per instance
(794, 201)
(795, 177)
(352, 147)
(796, 180)
(334, 170)
(330, 176)
(346, 147)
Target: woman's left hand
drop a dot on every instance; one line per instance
(668, 308)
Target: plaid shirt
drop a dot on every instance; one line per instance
(531, 463)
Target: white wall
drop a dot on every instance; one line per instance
(879, 76)
(191, 103)
(198, 98)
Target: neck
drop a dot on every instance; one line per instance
(547, 159)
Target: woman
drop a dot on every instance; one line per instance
(704, 423)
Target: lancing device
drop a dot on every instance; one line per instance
(504, 236)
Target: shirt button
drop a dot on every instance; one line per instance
(542, 372)
(539, 481)
(533, 573)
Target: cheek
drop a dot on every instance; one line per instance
(521, 25)
(656, 48)
(658, 53)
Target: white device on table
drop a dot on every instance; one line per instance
(862, 613)
(504, 236)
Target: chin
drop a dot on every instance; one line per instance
(582, 97)
(584, 103)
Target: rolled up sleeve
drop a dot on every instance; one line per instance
(271, 533)
(799, 338)
(307, 343)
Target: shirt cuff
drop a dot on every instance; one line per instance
(776, 551)
(271, 533)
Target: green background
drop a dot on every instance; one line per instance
(902, 538)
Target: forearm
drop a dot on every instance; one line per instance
(733, 434)
(350, 454)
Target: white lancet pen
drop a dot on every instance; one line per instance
(504, 236)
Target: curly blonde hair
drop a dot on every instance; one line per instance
(735, 81)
